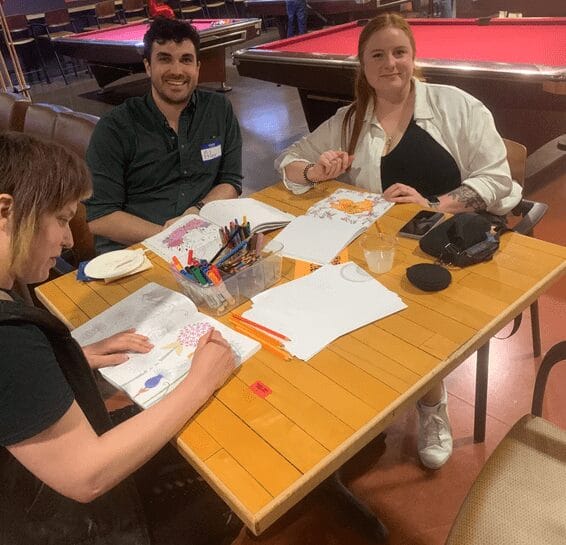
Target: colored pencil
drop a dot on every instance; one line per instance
(260, 335)
(266, 345)
(259, 326)
(230, 238)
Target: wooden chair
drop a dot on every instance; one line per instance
(531, 213)
(238, 6)
(212, 8)
(518, 498)
(190, 9)
(57, 24)
(23, 39)
(134, 11)
(106, 16)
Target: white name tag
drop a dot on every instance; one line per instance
(211, 151)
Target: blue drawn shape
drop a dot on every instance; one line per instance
(153, 381)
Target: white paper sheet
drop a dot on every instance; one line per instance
(313, 239)
(320, 307)
(173, 325)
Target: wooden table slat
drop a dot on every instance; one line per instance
(272, 426)
(304, 411)
(257, 457)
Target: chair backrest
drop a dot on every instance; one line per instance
(57, 17)
(40, 119)
(12, 112)
(105, 9)
(132, 5)
(517, 159)
(73, 130)
(519, 495)
(17, 23)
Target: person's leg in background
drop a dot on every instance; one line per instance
(291, 16)
(435, 434)
(446, 8)
(302, 16)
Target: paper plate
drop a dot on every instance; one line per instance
(117, 263)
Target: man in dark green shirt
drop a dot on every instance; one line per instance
(161, 156)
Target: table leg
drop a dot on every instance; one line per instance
(480, 412)
(361, 513)
(535, 329)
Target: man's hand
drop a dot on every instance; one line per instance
(190, 210)
(402, 193)
(112, 350)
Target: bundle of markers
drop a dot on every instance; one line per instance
(240, 249)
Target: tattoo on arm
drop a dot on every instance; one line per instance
(468, 197)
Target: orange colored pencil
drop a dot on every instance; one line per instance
(263, 336)
(266, 345)
(259, 326)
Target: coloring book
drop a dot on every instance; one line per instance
(330, 225)
(352, 207)
(201, 232)
(174, 327)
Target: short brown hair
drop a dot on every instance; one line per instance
(41, 177)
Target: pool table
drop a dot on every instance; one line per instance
(322, 12)
(517, 67)
(117, 52)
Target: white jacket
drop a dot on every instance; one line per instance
(456, 120)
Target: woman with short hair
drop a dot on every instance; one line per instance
(63, 466)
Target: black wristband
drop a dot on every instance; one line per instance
(305, 171)
(199, 205)
(433, 202)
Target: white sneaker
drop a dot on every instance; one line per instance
(435, 434)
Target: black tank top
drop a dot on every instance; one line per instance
(421, 162)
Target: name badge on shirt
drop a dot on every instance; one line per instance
(211, 150)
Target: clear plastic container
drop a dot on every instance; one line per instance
(236, 288)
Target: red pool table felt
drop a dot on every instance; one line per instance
(135, 33)
(539, 41)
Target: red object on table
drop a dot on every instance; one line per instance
(160, 10)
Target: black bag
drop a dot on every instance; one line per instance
(464, 239)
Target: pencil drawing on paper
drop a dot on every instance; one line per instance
(350, 206)
(173, 325)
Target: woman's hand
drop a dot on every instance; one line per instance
(112, 350)
(402, 193)
(331, 164)
(213, 362)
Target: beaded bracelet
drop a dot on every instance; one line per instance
(305, 171)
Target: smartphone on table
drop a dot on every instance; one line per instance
(420, 224)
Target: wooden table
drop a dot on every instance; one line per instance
(263, 455)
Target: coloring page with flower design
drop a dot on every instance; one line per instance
(174, 327)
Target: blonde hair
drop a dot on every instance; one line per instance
(41, 177)
(363, 92)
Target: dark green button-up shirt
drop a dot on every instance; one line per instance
(141, 166)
